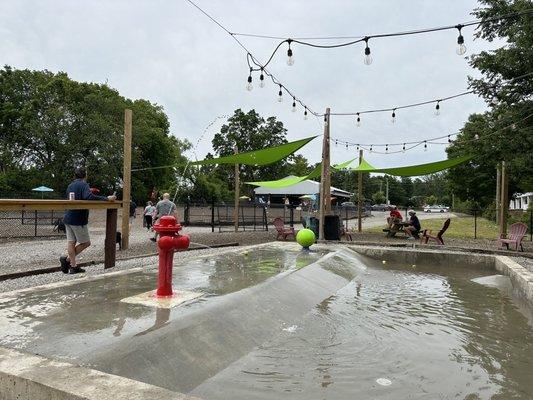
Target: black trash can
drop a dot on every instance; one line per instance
(332, 227)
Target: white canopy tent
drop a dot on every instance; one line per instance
(307, 187)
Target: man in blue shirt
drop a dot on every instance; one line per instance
(414, 227)
(76, 221)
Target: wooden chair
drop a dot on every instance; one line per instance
(426, 234)
(282, 231)
(517, 231)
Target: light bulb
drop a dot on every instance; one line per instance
(393, 117)
(449, 140)
(294, 106)
(346, 146)
(261, 81)
(290, 59)
(249, 85)
(358, 120)
(371, 148)
(387, 149)
(280, 95)
(425, 146)
(403, 148)
(461, 48)
(437, 109)
(305, 114)
(336, 143)
(368, 57)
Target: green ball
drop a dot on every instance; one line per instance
(305, 237)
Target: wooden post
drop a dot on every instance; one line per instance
(325, 189)
(360, 195)
(498, 194)
(237, 183)
(504, 202)
(110, 244)
(126, 190)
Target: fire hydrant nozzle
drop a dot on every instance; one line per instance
(169, 241)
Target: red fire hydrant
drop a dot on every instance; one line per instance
(169, 241)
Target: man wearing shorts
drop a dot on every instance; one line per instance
(164, 207)
(76, 221)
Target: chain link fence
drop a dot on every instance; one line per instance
(21, 224)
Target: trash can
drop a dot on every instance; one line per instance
(332, 227)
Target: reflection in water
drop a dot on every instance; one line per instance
(432, 332)
(162, 316)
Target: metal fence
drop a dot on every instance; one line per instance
(20, 224)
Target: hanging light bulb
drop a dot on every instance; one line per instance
(280, 95)
(261, 79)
(449, 140)
(386, 148)
(293, 104)
(393, 116)
(336, 142)
(358, 120)
(358, 146)
(437, 108)
(425, 146)
(461, 48)
(346, 146)
(403, 148)
(305, 114)
(249, 85)
(368, 56)
(371, 148)
(290, 59)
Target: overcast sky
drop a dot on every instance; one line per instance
(171, 54)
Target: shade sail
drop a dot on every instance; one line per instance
(415, 170)
(258, 157)
(293, 180)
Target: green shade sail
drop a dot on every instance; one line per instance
(259, 157)
(364, 166)
(293, 180)
(415, 170)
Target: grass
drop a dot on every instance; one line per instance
(460, 227)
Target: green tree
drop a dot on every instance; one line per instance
(378, 198)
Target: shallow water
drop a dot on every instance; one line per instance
(394, 332)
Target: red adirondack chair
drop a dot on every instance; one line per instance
(283, 232)
(517, 231)
(426, 234)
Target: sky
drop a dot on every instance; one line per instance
(171, 54)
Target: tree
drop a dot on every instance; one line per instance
(505, 131)
(378, 198)
(249, 131)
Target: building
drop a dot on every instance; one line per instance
(521, 201)
(294, 192)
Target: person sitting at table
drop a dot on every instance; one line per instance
(414, 226)
(395, 217)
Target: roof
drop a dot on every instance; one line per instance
(528, 194)
(305, 187)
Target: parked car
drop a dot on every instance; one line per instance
(381, 207)
(435, 208)
(348, 204)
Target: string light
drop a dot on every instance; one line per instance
(461, 48)
(358, 120)
(249, 85)
(293, 104)
(425, 146)
(371, 148)
(290, 59)
(403, 148)
(280, 95)
(305, 114)
(368, 56)
(387, 148)
(261, 79)
(393, 116)
(437, 108)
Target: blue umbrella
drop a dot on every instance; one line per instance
(42, 189)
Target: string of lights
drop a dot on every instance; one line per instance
(461, 47)
(409, 145)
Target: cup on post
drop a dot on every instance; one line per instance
(72, 196)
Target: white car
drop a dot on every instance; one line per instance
(441, 209)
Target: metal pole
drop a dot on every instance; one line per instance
(212, 215)
(498, 194)
(126, 190)
(360, 195)
(236, 204)
(503, 200)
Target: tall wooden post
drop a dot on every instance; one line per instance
(237, 193)
(325, 188)
(498, 190)
(360, 195)
(504, 201)
(126, 190)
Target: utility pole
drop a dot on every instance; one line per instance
(360, 195)
(504, 202)
(498, 190)
(126, 189)
(386, 190)
(237, 193)
(325, 189)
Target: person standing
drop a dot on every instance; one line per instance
(149, 212)
(76, 221)
(164, 207)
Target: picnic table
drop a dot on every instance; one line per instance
(48, 205)
(397, 227)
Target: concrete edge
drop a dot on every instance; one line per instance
(30, 377)
(521, 277)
